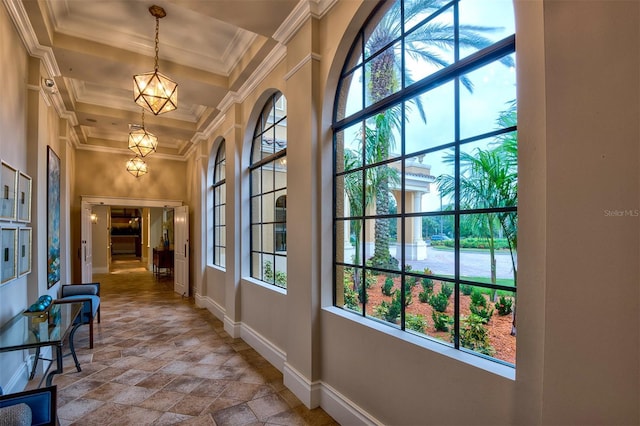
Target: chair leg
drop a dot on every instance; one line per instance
(98, 314)
(91, 333)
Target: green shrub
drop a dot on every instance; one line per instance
(477, 298)
(382, 310)
(350, 298)
(474, 336)
(504, 305)
(410, 281)
(416, 323)
(408, 297)
(370, 280)
(474, 243)
(439, 301)
(393, 313)
(483, 312)
(427, 285)
(387, 286)
(423, 296)
(466, 289)
(389, 311)
(440, 321)
(363, 296)
(446, 289)
(279, 279)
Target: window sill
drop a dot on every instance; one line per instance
(493, 367)
(216, 267)
(265, 285)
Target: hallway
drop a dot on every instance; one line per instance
(157, 359)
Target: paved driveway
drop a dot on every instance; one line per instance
(472, 264)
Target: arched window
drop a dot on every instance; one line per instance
(426, 113)
(219, 204)
(268, 194)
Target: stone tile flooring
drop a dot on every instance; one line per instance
(157, 359)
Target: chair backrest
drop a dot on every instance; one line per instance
(42, 403)
(90, 289)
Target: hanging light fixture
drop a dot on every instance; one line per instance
(137, 167)
(154, 90)
(142, 142)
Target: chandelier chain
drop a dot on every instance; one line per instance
(157, 40)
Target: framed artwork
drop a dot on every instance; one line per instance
(23, 199)
(24, 251)
(8, 182)
(8, 237)
(53, 218)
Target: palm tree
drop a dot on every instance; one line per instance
(426, 44)
(507, 146)
(485, 180)
(489, 178)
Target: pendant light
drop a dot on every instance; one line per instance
(137, 167)
(142, 142)
(154, 90)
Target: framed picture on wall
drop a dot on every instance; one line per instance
(24, 251)
(8, 241)
(8, 183)
(53, 218)
(23, 199)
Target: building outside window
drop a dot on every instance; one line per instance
(219, 205)
(269, 194)
(425, 145)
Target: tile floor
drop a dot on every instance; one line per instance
(157, 359)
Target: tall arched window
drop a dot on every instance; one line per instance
(268, 194)
(426, 115)
(219, 204)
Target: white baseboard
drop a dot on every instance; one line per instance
(20, 378)
(319, 394)
(312, 394)
(344, 411)
(306, 391)
(264, 347)
(211, 305)
(232, 327)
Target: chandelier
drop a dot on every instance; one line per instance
(137, 167)
(142, 142)
(154, 90)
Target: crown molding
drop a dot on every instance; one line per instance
(107, 150)
(304, 10)
(25, 30)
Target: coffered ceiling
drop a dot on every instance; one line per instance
(211, 48)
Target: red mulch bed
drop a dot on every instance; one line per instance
(499, 327)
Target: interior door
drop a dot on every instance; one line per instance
(181, 250)
(86, 254)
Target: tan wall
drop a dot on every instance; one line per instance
(104, 175)
(100, 174)
(13, 149)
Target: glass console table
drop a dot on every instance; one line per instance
(30, 331)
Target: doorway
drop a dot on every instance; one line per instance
(125, 230)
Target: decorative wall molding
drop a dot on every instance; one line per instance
(303, 62)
